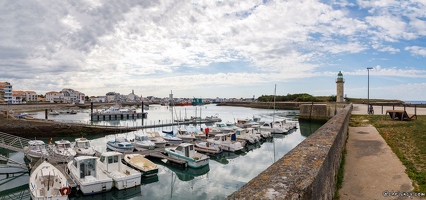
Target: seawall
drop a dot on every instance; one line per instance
(306, 172)
(320, 112)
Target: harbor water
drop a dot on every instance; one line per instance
(226, 172)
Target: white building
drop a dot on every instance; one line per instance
(54, 97)
(98, 99)
(112, 97)
(73, 96)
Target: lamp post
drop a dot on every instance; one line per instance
(368, 90)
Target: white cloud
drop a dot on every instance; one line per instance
(416, 50)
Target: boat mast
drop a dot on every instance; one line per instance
(273, 116)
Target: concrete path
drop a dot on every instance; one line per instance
(372, 168)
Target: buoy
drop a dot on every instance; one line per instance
(65, 190)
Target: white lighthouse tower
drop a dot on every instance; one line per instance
(339, 83)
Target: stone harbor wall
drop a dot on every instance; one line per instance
(308, 171)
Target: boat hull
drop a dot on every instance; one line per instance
(118, 149)
(127, 182)
(191, 162)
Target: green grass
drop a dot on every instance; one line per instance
(340, 174)
(407, 140)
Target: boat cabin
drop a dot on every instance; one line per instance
(36, 145)
(111, 160)
(86, 165)
(82, 143)
(186, 149)
(63, 144)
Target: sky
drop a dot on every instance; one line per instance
(209, 49)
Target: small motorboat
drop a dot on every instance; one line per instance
(139, 162)
(121, 145)
(122, 175)
(63, 151)
(187, 152)
(83, 148)
(142, 141)
(35, 150)
(207, 147)
(155, 137)
(89, 177)
(47, 182)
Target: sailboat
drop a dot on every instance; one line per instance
(274, 126)
(47, 182)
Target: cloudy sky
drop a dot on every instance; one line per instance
(215, 48)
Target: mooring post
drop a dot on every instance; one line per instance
(142, 115)
(45, 113)
(91, 111)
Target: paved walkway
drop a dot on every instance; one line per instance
(371, 167)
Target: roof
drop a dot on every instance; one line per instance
(52, 92)
(111, 153)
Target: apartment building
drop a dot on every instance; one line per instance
(7, 92)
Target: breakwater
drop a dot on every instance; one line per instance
(306, 172)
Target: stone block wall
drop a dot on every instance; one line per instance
(306, 172)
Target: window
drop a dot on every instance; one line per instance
(191, 147)
(102, 159)
(75, 164)
(179, 148)
(115, 159)
(109, 160)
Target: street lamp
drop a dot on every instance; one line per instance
(368, 90)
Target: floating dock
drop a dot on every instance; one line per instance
(117, 116)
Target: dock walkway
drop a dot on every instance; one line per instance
(372, 170)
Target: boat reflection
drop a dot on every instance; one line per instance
(226, 156)
(113, 194)
(149, 179)
(185, 174)
(16, 192)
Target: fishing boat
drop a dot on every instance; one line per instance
(207, 147)
(155, 137)
(142, 164)
(83, 148)
(35, 149)
(187, 152)
(122, 175)
(90, 178)
(63, 151)
(142, 141)
(226, 142)
(121, 145)
(47, 182)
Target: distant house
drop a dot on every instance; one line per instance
(54, 97)
(112, 97)
(98, 99)
(73, 96)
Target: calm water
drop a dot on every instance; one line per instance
(225, 174)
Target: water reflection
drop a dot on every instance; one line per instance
(226, 173)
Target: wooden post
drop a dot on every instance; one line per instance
(91, 111)
(45, 114)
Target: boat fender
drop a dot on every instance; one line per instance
(66, 190)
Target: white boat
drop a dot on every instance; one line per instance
(63, 151)
(171, 139)
(89, 177)
(155, 137)
(226, 143)
(83, 148)
(274, 127)
(207, 147)
(53, 112)
(245, 135)
(47, 182)
(187, 152)
(142, 141)
(122, 175)
(142, 164)
(183, 134)
(121, 145)
(35, 149)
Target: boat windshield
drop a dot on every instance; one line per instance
(144, 138)
(83, 144)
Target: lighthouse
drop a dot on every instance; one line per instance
(339, 83)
